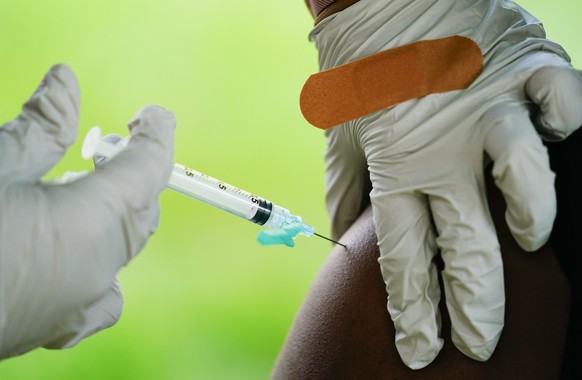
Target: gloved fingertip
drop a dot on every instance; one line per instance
(62, 71)
(532, 241)
(65, 76)
(481, 352)
(153, 128)
(416, 351)
(154, 115)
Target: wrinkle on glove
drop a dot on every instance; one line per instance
(62, 245)
(425, 161)
(91, 319)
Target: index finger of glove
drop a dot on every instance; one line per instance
(36, 140)
(347, 180)
(141, 171)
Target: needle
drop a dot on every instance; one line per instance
(333, 241)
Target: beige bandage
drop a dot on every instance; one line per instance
(367, 85)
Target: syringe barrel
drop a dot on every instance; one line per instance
(208, 190)
(231, 199)
(219, 194)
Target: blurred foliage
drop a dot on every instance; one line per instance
(203, 299)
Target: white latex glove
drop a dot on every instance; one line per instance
(61, 245)
(425, 160)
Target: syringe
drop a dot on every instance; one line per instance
(212, 191)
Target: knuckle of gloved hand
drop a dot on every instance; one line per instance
(54, 121)
(33, 108)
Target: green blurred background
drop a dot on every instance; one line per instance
(203, 300)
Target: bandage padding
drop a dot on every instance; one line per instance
(370, 84)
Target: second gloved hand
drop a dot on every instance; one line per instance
(424, 158)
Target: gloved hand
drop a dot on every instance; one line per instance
(61, 245)
(425, 159)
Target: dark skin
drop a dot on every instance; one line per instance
(343, 330)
